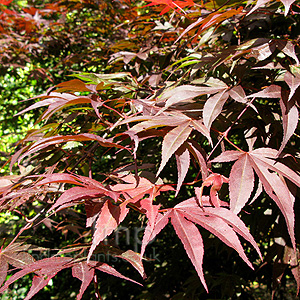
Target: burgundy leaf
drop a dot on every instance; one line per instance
(48, 141)
(92, 209)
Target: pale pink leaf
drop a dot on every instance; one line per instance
(289, 50)
(151, 209)
(293, 81)
(259, 190)
(277, 189)
(111, 271)
(241, 183)
(196, 152)
(236, 223)
(287, 4)
(152, 231)
(238, 94)
(227, 156)
(272, 91)
(250, 137)
(192, 242)
(109, 219)
(213, 107)
(172, 141)
(200, 127)
(289, 122)
(75, 194)
(186, 92)
(183, 162)
(261, 155)
(135, 260)
(259, 3)
(220, 229)
(85, 274)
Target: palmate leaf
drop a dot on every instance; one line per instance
(14, 254)
(263, 163)
(58, 101)
(175, 137)
(86, 188)
(47, 268)
(219, 221)
(48, 141)
(85, 273)
(135, 191)
(290, 114)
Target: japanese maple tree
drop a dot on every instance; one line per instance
(191, 125)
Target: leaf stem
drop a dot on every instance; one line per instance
(225, 133)
(97, 293)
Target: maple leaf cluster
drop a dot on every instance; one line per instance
(223, 115)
